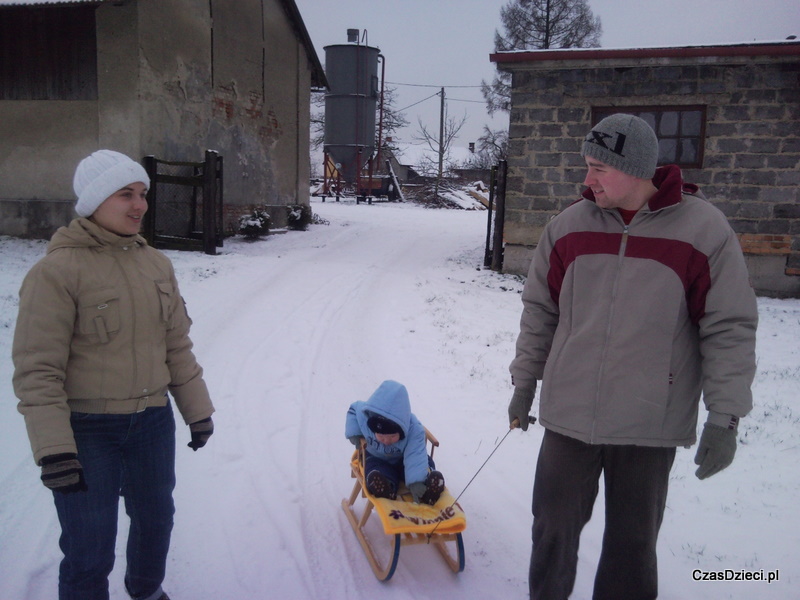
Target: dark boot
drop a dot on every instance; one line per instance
(435, 486)
(379, 486)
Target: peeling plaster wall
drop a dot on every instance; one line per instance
(175, 77)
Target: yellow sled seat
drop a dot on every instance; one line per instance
(405, 521)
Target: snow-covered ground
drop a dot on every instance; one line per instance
(293, 328)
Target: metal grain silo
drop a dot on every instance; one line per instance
(350, 105)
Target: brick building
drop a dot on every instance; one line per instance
(729, 115)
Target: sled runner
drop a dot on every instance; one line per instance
(405, 522)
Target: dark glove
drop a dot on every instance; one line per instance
(356, 440)
(201, 431)
(417, 489)
(520, 406)
(63, 473)
(715, 451)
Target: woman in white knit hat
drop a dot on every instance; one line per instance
(102, 336)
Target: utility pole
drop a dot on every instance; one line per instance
(441, 144)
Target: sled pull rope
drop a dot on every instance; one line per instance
(514, 425)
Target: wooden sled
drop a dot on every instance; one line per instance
(405, 522)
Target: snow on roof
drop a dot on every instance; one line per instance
(789, 47)
(788, 41)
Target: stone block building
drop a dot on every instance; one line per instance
(729, 115)
(168, 78)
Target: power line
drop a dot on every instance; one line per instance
(415, 103)
(449, 99)
(433, 86)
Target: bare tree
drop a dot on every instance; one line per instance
(539, 24)
(494, 143)
(492, 147)
(426, 166)
(451, 128)
(317, 119)
(393, 120)
(440, 143)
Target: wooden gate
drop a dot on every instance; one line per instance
(184, 204)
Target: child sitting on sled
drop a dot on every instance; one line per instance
(395, 445)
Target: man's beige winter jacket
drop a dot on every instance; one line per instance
(102, 328)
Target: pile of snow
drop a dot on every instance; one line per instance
(464, 197)
(474, 196)
(293, 328)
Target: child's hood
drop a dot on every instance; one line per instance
(390, 400)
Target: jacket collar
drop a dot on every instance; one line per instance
(83, 233)
(669, 181)
(669, 188)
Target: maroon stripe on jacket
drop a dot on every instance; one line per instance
(573, 245)
(689, 264)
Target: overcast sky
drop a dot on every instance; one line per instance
(447, 43)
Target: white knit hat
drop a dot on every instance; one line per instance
(101, 174)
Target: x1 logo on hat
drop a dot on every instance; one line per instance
(599, 138)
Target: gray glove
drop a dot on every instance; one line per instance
(520, 406)
(356, 440)
(715, 451)
(417, 489)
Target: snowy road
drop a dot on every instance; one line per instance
(301, 338)
(292, 329)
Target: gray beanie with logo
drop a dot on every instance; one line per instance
(101, 174)
(624, 142)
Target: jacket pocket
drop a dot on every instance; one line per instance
(166, 291)
(98, 314)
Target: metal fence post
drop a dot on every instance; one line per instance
(219, 201)
(487, 254)
(499, 218)
(149, 229)
(209, 202)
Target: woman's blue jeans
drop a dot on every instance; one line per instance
(132, 456)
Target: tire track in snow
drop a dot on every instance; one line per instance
(354, 352)
(272, 332)
(280, 330)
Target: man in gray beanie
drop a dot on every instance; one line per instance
(637, 303)
(624, 142)
(101, 350)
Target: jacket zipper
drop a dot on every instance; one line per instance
(600, 373)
